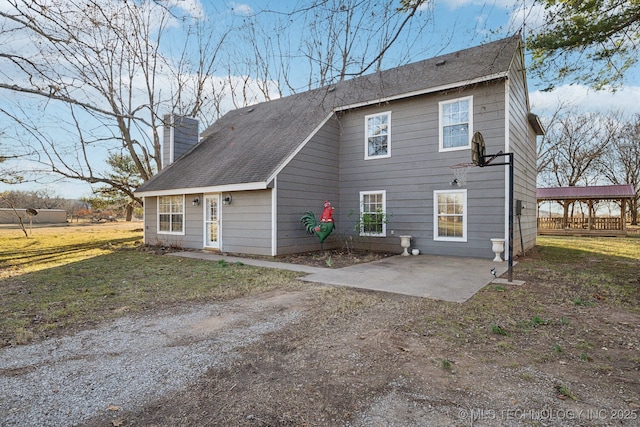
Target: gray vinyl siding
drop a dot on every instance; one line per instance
(193, 236)
(523, 144)
(184, 133)
(246, 223)
(303, 185)
(150, 210)
(416, 168)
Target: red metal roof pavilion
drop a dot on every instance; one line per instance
(595, 192)
(590, 225)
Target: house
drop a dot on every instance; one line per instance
(378, 146)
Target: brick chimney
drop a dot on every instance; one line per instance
(180, 135)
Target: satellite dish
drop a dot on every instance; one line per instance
(32, 212)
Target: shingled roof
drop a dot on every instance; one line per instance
(246, 147)
(593, 192)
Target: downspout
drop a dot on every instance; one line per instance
(508, 172)
(274, 217)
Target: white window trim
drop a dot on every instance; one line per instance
(440, 124)
(435, 216)
(384, 213)
(184, 214)
(366, 136)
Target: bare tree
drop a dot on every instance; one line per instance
(7, 174)
(549, 142)
(93, 78)
(621, 164)
(575, 145)
(41, 199)
(333, 40)
(7, 200)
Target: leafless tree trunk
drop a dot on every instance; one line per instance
(621, 163)
(5, 199)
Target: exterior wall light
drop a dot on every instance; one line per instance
(196, 201)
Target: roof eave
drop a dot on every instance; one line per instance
(227, 188)
(535, 123)
(455, 85)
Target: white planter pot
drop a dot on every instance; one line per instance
(497, 246)
(405, 242)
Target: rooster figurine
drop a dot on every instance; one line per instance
(324, 227)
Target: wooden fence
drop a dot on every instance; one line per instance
(601, 226)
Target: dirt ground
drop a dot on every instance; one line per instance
(511, 356)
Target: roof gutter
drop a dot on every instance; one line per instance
(249, 186)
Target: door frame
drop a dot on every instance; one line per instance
(205, 222)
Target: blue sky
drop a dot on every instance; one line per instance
(456, 24)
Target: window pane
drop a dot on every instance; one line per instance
(372, 214)
(176, 204)
(377, 146)
(455, 124)
(377, 128)
(455, 112)
(176, 223)
(455, 136)
(450, 226)
(164, 205)
(165, 222)
(450, 214)
(213, 232)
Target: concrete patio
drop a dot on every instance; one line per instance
(444, 278)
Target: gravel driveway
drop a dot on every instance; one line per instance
(125, 363)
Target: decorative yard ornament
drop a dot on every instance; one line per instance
(324, 227)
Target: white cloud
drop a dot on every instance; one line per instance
(64, 189)
(582, 99)
(457, 4)
(529, 17)
(241, 9)
(192, 8)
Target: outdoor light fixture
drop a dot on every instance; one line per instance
(227, 200)
(196, 201)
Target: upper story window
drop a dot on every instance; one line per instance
(171, 214)
(456, 123)
(377, 130)
(450, 215)
(373, 213)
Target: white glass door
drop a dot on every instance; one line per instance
(212, 221)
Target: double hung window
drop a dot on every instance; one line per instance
(373, 211)
(456, 123)
(450, 215)
(171, 214)
(377, 135)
